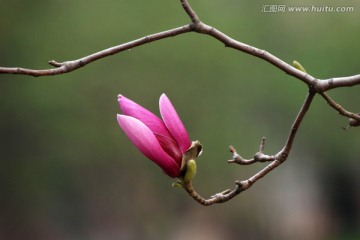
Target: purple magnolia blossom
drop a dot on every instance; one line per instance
(162, 141)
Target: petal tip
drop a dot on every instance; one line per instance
(119, 97)
(163, 97)
(121, 119)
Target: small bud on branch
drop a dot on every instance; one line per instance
(166, 142)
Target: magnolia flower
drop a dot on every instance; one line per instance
(164, 141)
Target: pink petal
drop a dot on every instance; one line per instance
(131, 108)
(142, 137)
(174, 124)
(153, 122)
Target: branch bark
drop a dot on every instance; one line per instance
(197, 26)
(328, 84)
(69, 66)
(315, 86)
(275, 161)
(339, 108)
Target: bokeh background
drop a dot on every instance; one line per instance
(67, 171)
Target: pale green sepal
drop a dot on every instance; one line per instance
(190, 170)
(192, 153)
(177, 184)
(298, 66)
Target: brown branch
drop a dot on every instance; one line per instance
(259, 156)
(339, 108)
(197, 26)
(232, 43)
(190, 12)
(276, 161)
(217, 198)
(318, 85)
(69, 66)
(327, 84)
(315, 86)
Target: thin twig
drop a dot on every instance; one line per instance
(69, 66)
(259, 156)
(217, 198)
(277, 62)
(276, 161)
(339, 108)
(316, 86)
(198, 26)
(188, 9)
(327, 84)
(297, 122)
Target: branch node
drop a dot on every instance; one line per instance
(82, 63)
(221, 195)
(352, 122)
(239, 183)
(55, 63)
(238, 159)
(262, 144)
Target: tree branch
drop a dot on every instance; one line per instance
(315, 86)
(259, 156)
(232, 43)
(276, 160)
(327, 84)
(339, 108)
(197, 26)
(190, 12)
(69, 66)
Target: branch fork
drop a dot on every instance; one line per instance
(316, 86)
(258, 157)
(275, 161)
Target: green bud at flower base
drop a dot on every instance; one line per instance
(190, 170)
(189, 174)
(298, 66)
(188, 165)
(177, 184)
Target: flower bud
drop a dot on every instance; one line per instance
(298, 66)
(190, 170)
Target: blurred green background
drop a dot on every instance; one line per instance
(67, 171)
